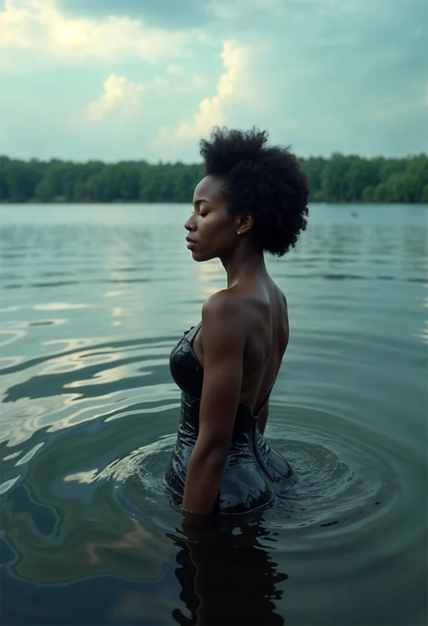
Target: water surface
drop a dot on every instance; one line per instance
(93, 299)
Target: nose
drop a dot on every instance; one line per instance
(189, 225)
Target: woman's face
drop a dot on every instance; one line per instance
(211, 229)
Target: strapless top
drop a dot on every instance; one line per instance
(253, 470)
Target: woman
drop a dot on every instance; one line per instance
(252, 199)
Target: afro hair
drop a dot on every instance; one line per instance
(263, 180)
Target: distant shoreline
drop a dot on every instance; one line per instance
(338, 179)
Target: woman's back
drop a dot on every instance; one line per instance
(264, 316)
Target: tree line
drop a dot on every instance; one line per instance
(338, 178)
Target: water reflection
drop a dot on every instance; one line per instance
(83, 534)
(227, 575)
(90, 312)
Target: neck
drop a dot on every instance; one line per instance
(243, 264)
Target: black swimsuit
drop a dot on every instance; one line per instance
(253, 471)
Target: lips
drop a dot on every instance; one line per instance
(190, 243)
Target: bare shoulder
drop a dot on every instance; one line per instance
(224, 310)
(283, 299)
(280, 296)
(281, 312)
(218, 302)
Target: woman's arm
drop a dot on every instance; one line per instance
(224, 343)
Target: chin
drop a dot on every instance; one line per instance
(199, 258)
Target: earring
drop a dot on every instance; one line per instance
(239, 232)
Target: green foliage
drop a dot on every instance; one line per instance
(361, 175)
(19, 181)
(334, 179)
(4, 189)
(313, 169)
(337, 179)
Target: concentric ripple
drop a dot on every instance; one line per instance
(343, 472)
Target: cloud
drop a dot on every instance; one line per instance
(39, 25)
(211, 110)
(242, 10)
(171, 14)
(343, 81)
(119, 92)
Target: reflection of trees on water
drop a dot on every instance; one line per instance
(66, 525)
(79, 542)
(226, 574)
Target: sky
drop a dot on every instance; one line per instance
(146, 79)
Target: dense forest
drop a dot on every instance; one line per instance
(336, 179)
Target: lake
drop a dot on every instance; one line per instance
(93, 299)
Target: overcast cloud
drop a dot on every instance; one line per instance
(144, 79)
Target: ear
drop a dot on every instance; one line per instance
(245, 222)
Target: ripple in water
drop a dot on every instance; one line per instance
(344, 474)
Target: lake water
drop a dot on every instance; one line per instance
(93, 299)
